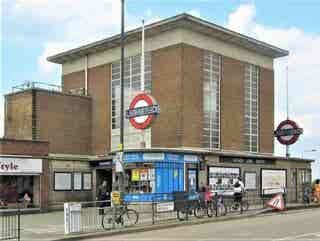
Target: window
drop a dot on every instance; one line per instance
(251, 108)
(62, 181)
(250, 180)
(132, 81)
(305, 176)
(141, 180)
(87, 181)
(211, 100)
(68, 181)
(77, 181)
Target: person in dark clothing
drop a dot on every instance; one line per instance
(103, 195)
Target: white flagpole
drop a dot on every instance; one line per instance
(142, 58)
(143, 144)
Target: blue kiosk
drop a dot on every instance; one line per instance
(157, 175)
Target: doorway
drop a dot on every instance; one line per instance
(104, 175)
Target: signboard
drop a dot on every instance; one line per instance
(77, 181)
(135, 175)
(222, 179)
(273, 181)
(250, 180)
(11, 165)
(142, 111)
(288, 132)
(116, 198)
(87, 181)
(276, 202)
(241, 160)
(165, 207)
(62, 181)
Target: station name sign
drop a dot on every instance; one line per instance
(142, 111)
(238, 160)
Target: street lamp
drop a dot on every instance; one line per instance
(312, 150)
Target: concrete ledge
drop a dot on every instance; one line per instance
(137, 229)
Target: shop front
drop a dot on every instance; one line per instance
(20, 181)
(157, 175)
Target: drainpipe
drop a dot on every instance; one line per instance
(86, 75)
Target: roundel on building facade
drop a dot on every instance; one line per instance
(142, 111)
(288, 132)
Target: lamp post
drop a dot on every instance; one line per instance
(312, 150)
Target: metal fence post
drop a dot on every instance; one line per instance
(19, 229)
(153, 212)
(113, 216)
(216, 201)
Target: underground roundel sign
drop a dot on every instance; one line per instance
(142, 111)
(288, 132)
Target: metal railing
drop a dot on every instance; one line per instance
(10, 224)
(100, 215)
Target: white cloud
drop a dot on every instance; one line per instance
(73, 23)
(303, 64)
(1, 116)
(195, 13)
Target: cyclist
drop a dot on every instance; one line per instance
(238, 192)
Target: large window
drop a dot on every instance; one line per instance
(132, 86)
(251, 110)
(211, 100)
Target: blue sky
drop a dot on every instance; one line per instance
(33, 29)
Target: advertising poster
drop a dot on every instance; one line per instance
(143, 174)
(62, 181)
(135, 175)
(273, 181)
(87, 179)
(250, 180)
(222, 179)
(77, 181)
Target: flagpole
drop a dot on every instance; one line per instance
(143, 144)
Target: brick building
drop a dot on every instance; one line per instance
(216, 92)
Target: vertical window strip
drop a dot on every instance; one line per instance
(211, 100)
(251, 112)
(132, 78)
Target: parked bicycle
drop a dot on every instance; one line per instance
(239, 205)
(119, 215)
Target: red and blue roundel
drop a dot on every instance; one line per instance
(142, 111)
(288, 132)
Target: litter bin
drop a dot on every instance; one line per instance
(72, 218)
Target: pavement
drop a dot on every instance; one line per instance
(50, 226)
(289, 225)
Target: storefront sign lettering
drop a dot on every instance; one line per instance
(8, 166)
(238, 160)
(20, 165)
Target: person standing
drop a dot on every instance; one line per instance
(103, 196)
(317, 191)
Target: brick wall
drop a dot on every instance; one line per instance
(166, 88)
(23, 147)
(99, 82)
(65, 121)
(232, 104)
(18, 115)
(74, 80)
(266, 118)
(192, 96)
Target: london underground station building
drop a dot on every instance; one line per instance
(215, 88)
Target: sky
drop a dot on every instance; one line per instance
(32, 30)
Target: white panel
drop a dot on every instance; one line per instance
(10, 165)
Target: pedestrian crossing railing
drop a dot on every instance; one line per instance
(10, 224)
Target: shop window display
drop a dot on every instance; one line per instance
(141, 180)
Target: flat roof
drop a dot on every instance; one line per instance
(201, 151)
(179, 21)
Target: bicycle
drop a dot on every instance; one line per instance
(243, 205)
(119, 215)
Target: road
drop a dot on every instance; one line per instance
(293, 225)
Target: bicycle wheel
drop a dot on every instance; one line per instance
(182, 215)
(222, 210)
(245, 205)
(211, 210)
(199, 212)
(107, 220)
(129, 217)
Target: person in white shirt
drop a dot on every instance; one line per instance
(238, 191)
